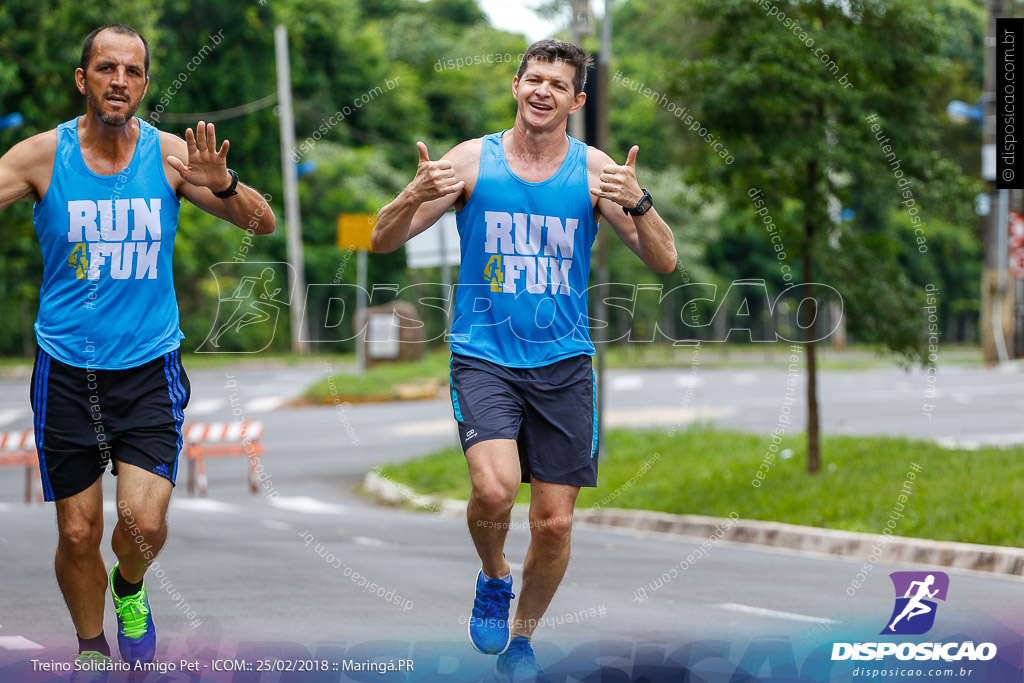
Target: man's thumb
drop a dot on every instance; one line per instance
(423, 152)
(631, 157)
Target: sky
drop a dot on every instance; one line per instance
(516, 15)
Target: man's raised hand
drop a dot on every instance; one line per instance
(618, 183)
(206, 166)
(434, 179)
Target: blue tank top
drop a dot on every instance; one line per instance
(521, 299)
(107, 298)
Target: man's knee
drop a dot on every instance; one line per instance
(141, 525)
(553, 529)
(80, 536)
(495, 498)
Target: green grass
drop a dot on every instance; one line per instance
(963, 496)
(380, 382)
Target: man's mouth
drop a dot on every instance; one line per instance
(543, 108)
(116, 99)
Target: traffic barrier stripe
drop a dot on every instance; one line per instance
(202, 440)
(22, 440)
(221, 440)
(18, 449)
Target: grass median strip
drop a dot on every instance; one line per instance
(385, 382)
(966, 496)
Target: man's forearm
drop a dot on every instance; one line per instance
(656, 242)
(250, 211)
(393, 223)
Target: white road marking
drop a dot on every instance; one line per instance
(308, 505)
(373, 542)
(622, 417)
(774, 614)
(626, 382)
(689, 381)
(275, 524)
(8, 415)
(19, 643)
(975, 442)
(204, 406)
(203, 505)
(265, 404)
(425, 428)
(962, 399)
(660, 417)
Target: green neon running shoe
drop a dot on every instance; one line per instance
(136, 634)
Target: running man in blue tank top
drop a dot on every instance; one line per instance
(528, 203)
(108, 385)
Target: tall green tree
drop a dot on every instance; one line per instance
(810, 106)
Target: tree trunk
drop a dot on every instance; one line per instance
(813, 447)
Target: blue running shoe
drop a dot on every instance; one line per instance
(90, 667)
(488, 625)
(136, 634)
(518, 665)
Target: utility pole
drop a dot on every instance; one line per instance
(581, 24)
(993, 283)
(603, 274)
(293, 226)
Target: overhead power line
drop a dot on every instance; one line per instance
(223, 114)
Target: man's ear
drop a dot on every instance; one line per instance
(515, 87)
(578, 102)
(80, 80)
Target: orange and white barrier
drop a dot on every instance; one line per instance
(221, 440)
(18, 449)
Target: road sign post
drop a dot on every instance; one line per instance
(354, 230)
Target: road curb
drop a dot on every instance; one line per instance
(883, 548)
(880, 547)
(391, 492)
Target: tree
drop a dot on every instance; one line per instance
(791, 86)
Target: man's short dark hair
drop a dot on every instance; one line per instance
(116, 28)
(553, 50)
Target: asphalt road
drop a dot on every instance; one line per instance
(278, 574)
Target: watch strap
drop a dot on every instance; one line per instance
(640, 209)
(231, 189)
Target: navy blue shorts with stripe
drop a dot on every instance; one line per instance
(85, 418)
(551, 411)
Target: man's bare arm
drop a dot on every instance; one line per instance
(26, 168)
(648, 236)
(200, 166)
(437, 187)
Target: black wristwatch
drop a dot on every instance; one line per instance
(646, 204)
(231, 191)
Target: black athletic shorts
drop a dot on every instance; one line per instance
(85, 418)
(551, 411)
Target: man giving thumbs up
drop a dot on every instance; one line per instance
(528, 203)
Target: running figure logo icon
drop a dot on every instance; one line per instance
(247, 316)
(914, 612)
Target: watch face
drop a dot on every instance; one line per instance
(645, 204)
